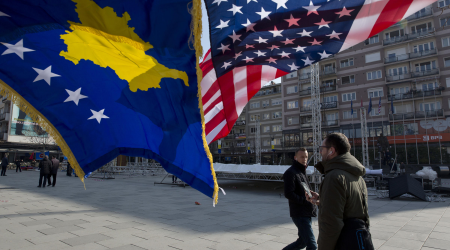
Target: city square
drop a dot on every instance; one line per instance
(130, 212)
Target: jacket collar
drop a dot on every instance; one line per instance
(300, 166)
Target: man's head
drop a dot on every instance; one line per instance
(334, 144)
(6, 154)
(387, 150)
(53, 157)
(301, 156)
(46, 157)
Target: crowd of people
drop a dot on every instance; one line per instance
(343, 216)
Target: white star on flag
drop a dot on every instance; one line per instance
(315, 42)
(249, 46)
(276, 32)
(75, 96)
(311, 8)
(293, 67)
(236, 9)
(249, 25)
(261, 40)
(45, 74)
(284, 54)
(273, 47)
(334, 35)
(324, 55)
(237, 55)
(17, 48)
(344, 12)
(305, 33)
(226, 65)
(300, 48)
(272, 60)
(280, 3)
(248, 1)
(292, 21)
(323, 23)
(219, 1)
(235, 37)
(264, 14)
(259, 53)
(307, 61)
(288, 41)
(224, 48)
(223, 24)
(4, 14)
(248, 59)
(98, 115)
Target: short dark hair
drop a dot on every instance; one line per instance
(301, 149)
(338, 141)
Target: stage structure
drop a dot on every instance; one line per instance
(109, 170)
(364, 138)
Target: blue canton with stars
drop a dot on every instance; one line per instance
(286, 34)
(95, 111)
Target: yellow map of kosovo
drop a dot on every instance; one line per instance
(106, 39)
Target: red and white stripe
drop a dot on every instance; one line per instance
(380, 15)
(224, 98)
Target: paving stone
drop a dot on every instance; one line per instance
(402, 243)
(58, 230)
(437, 243)
(75, 241)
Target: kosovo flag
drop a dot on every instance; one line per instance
(105, 78)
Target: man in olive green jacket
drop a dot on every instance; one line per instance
(343, 192)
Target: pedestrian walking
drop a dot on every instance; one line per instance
(18, 168)
(4, 164)
(54, 171)
(300, 209)
(174, 179)
(343, 214)
(69, 169)
(45, 165)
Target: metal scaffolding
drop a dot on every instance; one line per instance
(364, 139)
(258, 142)
(316, 115)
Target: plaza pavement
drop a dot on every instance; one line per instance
(132, 213)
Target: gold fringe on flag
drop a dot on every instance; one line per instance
(195, 38)
(37, 117)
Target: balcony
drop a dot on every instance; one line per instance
(416, 94)
(240, 136)
(268, 91)
(322, 90)
(407, 37)
(409, 56)
(292, 144)
(328, 105)
(239, 123)
(419, 14)
(308, 124)
(304, 76)
(416, 74)
(5, 117)
(417, 115)
(328, 71)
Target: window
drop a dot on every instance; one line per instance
(349, 133)
(328, 83)
(395, 33)
(348, 97)
(374, 111)
(266, 116)
(425, 66)
(423, 47)
(444, 21)
(374, 75)
(276, 115)
(266, 142)
(291, 75)
(276, 128)
(276, 102)
(348, 114)
(431, 106)
(445, 42)
(330, 99)
(307, 103)
(348, 79)
(400, 90)
(398, 71)
(421, 27)
(375, 92)
(253, 130)
(292, 105)
(265, 103)
(266, 129)
(254, 118)
(292, 89)
(443, 3)
(373, 57)
(429, 86)
(375, 39)
(447, 62)
(346, 62)
(254, 105)
(293, 120)
(277, 141)
(447, 80)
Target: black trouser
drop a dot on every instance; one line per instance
(3, 171)
(18, 168)
(174, 179)
(45, 176)
(69, 171)
(54, 179)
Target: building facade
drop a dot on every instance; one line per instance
(406, 66)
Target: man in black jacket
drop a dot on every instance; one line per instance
(53, 171)
(4, 164)
(45, 165)
(300, 209)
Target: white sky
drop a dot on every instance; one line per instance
(205, 38)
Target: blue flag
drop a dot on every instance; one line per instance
(351, 105)
(370, 106)
(108, 78)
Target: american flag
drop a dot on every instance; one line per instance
(256, 41)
